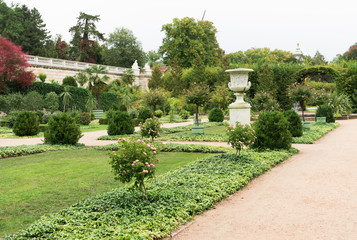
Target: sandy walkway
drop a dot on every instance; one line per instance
(311, 196)
(89, 138)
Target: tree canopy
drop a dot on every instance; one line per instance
(123, 48)
(186, 39)
(13, 65)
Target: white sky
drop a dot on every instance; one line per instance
(328, 26)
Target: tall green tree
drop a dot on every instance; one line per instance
(186, 39)
(85, 38)
(351, 53)
(66, 97)
(123, 48)
(24, 27)
(155, 80)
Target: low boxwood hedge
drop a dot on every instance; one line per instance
(174, 199)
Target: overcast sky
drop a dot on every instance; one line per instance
(327, 26)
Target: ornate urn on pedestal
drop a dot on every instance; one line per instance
(239, 110)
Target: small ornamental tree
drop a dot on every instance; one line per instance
(199, 96)
(13, 65)
(151, 128)
(301, 94)
(240, 136)
(134, 160)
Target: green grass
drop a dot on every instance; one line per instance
(41, 184)
(6, 132)
(317, 131)
(93, 127)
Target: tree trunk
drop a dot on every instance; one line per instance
(197, 116)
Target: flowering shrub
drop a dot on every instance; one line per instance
(135, 159)
(240, 136)
(151, 128)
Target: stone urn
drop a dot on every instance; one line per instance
(239, 110)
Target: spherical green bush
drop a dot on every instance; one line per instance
(144, 114)
(84, 118)
(158, 113)
(184, 114)
(120, 123)
(62, 129)
(295, 125)
(325, 111)
(69, 81)
(272, 131)
(26, 124)
(216, 115)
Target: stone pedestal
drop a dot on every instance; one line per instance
(239, 110)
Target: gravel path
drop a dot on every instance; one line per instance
(89, 138)
(313, 196)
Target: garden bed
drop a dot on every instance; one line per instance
(317, 131)
(174, 199)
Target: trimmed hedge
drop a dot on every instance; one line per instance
(174, 199)
(120, 123)
(26, 124)
(216, 115)
(107, 100)
(79, 95)
(295, 125)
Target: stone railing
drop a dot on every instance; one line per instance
(65, 64)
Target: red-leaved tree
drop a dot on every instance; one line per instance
(13, 64)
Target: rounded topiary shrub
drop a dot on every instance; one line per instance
(26, 124)
(84, 118)
(158, 113)
(325, 111)
(62, 129)
(216, 115)
(120, 123)
(45, 118)
(133, 113)
(295, 125)
(144, 114)
(69, 81)
(272, 131)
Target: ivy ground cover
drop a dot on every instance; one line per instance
(317, 131)
(174, 198)
(41, 184)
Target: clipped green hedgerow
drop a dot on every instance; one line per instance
(174, 147)
(22, 150)
(317, 131)
(173, 199)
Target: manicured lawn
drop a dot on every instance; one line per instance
(93, 127)
(40, 184)
(6, 132)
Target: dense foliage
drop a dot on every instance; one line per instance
(186, 39)
(26, 124)
(325, 111)
(316, 131)
(215, 115)
(240, 136)
(120, 123)
(173, 199)
(295, 125)
(144, 114)
(272, 131)
(62, 129)
(13, 65)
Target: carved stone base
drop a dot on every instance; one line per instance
(241, 115)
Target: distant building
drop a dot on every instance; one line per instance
(298, 53)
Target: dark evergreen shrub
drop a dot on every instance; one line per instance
(272, 131)
(107, 99)
(26, 124)
(144, 114)
(11, 118)
(39, 115)
(69, 81)
(158, 113)
(62, 129)
(120, 123)
(295, 125)
(4, 105)
(216, 115)
(325, 111)
(92, 116)
(84, 118)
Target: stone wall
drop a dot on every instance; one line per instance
(58, 69)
